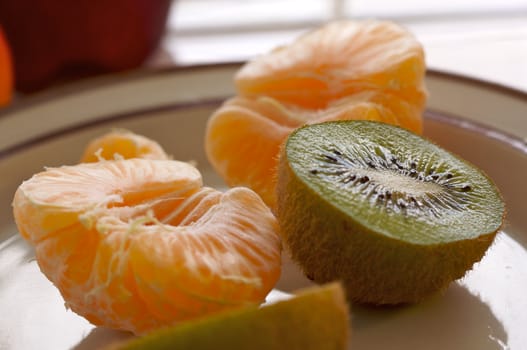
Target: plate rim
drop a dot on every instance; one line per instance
(122, 78)
(79, 86)
(447, 117)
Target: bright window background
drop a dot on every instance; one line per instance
(482, 38)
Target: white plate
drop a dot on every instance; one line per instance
(482, 122)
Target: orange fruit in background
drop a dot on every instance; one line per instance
(345, 70)
(122, 144)
(6, 71)
(137, 244)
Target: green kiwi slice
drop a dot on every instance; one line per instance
(391, 214)
(315, 318)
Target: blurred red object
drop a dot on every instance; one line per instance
(6, 72)
(54, 40)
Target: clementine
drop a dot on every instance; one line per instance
(137, 244)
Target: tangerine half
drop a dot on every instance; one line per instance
(137, 244)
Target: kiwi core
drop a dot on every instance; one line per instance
(393, 181)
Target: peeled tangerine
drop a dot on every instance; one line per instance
(345, 70)
(136, 244)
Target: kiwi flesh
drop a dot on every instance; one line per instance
(390, 214)
(315, 318)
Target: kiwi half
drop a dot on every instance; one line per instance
(390, 214)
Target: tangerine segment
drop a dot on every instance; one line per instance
(339, 59)
(57, 198)
(243, 137)
(194, 281)
(138, 244)
(242, 143)
(390, 108)
(122, 144)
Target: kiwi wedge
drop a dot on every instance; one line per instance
(390, 214)
(315, 318)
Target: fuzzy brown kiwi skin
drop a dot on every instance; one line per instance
(374, 269)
